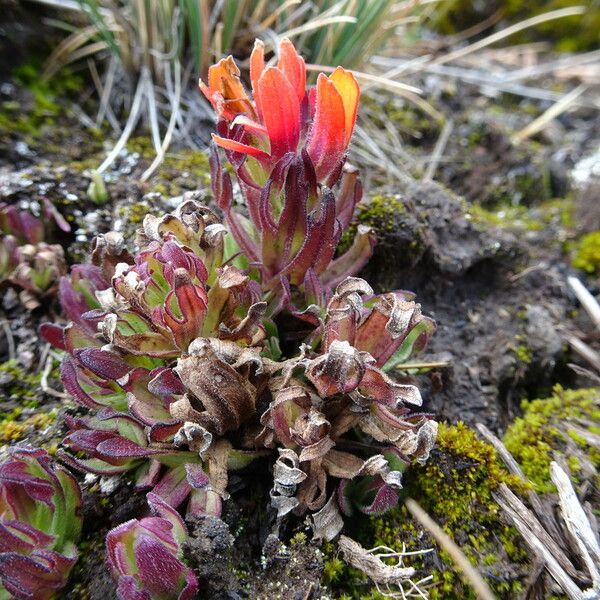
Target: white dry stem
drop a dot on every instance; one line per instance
(589, 303)
(577, 523)
(541, 544)
(550, 114)
(393, 581)
(438, 150)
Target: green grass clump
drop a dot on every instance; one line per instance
(455, 487)
(587, 253)
(544, 428)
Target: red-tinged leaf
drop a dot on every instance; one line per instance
(327, 139)
(318, 242)
(102, 363)
(196, 476)
(239, 231)
(52, 213)
(93, 465)
(281, 111)
(21, 537)
(386, 498)
(70, 379)
(220, 181)
(234, 146)
(349, 195)
(160, 572)
(344, 501)
(26, 577)
(118, 448)
(377, 386)
(353, 260)
(414, 342)
(293, 67)
(387, 416)
(128, 589)
(292, 226)
(164, 432)
(185, 310)
(204, 502)
(160, 508)
(174, 487)
(164, 382)
(53, 334)
(148, 475)
(314, 293)
(340, 370)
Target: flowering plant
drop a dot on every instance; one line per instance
(175, 350)
(288, 150)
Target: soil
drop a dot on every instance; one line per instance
(497, 291)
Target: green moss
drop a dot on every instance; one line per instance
(524, 354)
(18, 384)
(379, 212)
(455, 487)
(509, 217)
(556, 212)
(181, 170)
(12, 430)
(47, 101)
(544, 429)
(570, 34)
(587, 253)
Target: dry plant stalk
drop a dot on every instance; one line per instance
(392, 581)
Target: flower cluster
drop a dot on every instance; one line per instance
(26, 261)
(40, 523)
(288, 150)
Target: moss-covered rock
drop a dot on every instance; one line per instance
(455, 487)
(558, 423)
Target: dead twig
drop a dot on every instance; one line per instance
(393, 581)
(44, 381)
(438, 150)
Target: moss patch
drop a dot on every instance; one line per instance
(379, 212)
(13, 430)
(587, 253)
(455, 487)
(547, 425)
(558, 212)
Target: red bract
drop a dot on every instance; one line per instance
(145, 556)
(288, 148)
(40, 523)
